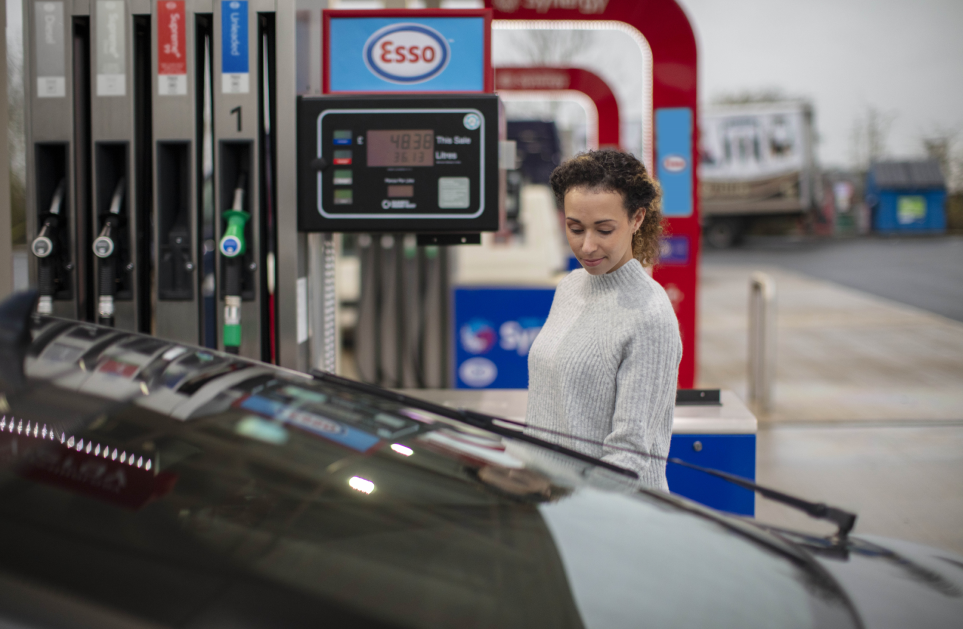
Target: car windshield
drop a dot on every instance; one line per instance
(280, 495)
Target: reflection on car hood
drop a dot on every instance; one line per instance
(232, 470)
(893, 583)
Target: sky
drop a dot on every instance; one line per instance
(904, 58)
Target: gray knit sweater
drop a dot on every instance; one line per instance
(605, 367)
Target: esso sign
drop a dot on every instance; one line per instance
(674, 163)
(406, 53)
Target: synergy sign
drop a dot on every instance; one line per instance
(494, 332)
(407, 51)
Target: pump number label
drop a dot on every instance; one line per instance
(111, 41)
(171, 48)
(235, 66)
(51, 61)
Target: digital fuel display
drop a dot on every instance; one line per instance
(404, 147)
(399, 163)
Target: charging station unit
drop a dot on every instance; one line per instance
(142, 118)
(120, 92)
(181, 43)
(57, 47)
(242, 44)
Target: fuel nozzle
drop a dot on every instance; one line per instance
(233, 247)
(43, 247)
(104, 248)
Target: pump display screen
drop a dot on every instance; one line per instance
(419, 164)
(401, 147)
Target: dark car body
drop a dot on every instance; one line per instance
(147, 483)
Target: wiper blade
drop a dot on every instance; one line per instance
(472, 418)
(817, 510)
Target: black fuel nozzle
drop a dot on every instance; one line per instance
(105, 249)
(44, 248)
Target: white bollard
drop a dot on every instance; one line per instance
(762, 341)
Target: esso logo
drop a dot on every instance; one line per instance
(674, 163)
(406, 53)
(478, 372)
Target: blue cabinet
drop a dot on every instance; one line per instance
(735, 454)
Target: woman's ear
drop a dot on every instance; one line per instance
(637, 219)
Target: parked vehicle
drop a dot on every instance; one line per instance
(756, 161)
(145, 483)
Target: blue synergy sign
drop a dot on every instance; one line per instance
(442, 54)
(494, 330)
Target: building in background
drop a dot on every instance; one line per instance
(907, 196)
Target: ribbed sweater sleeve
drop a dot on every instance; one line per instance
(645, 387)
(605, 366)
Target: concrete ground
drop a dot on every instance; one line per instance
(868, 396)
(841, 354)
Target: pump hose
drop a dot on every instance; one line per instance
(232, 305)
(107, 289)
(45, 283)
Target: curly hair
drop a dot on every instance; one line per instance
(607, 170)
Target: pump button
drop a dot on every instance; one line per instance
(103, 247)
(42, 247)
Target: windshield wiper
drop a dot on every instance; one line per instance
(844, 520)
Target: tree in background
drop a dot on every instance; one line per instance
(868, 138)
(944, 146)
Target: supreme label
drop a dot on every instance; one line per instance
(171, 48)
(111, 36)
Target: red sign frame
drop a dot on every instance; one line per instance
(511, 78)
(669, 34)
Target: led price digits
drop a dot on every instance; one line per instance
(401, 147)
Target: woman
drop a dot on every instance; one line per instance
(605, 365)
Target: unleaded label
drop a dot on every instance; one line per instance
(111, 39)
(235, 66)
(50, 52)
(171, 48)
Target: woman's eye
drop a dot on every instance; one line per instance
(606, 233)
(575, 231)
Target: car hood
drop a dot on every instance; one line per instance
(893, 583)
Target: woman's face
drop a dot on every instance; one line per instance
(599, 230)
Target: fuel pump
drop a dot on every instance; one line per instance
(233, 247)
(105, 248)
(50, 255)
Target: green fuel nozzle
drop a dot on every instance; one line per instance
(232, 242)
(232, 247)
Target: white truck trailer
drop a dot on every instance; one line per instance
(756, 160)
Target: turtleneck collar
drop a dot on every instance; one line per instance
(626, 275)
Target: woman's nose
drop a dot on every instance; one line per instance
(588, 244)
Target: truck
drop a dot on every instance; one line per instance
(756, 161)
